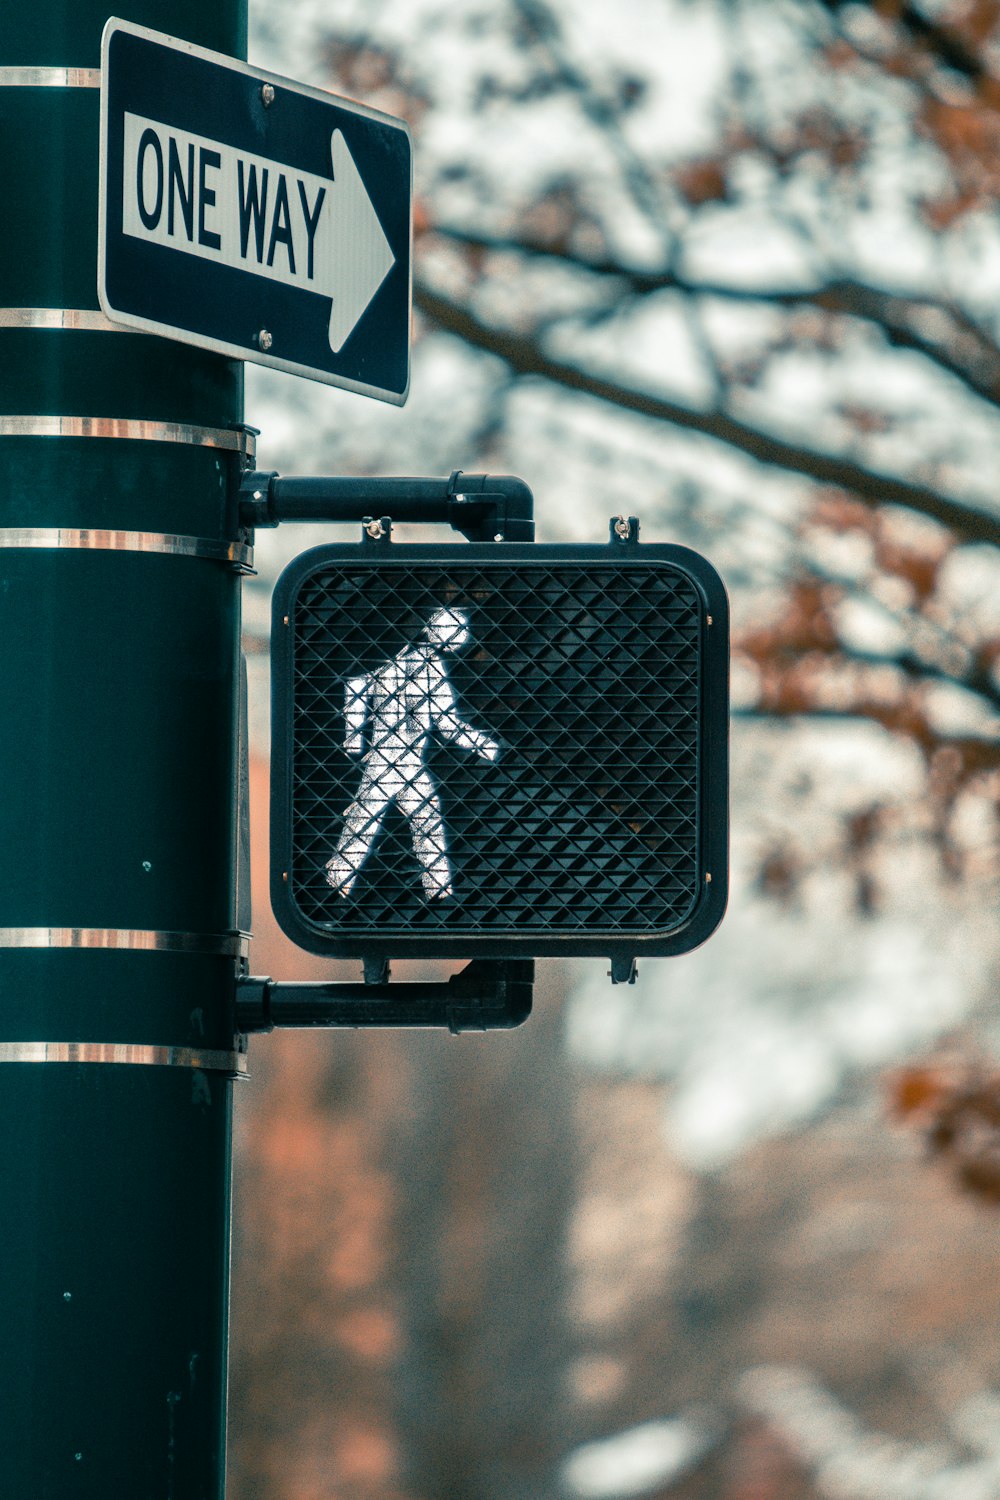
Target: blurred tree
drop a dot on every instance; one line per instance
(758, 230)
(957, 1104)
(487, 1171)
(732, 265)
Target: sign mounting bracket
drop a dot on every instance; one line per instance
(481, 507)
(486, 994)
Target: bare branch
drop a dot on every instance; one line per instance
(975, 676)
(523, 355)
(661, 206)
(918, 669)
(938, 39)
(964, 349)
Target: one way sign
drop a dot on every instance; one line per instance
(252, 216)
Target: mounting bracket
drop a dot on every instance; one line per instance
(481, 507)
(484, 996)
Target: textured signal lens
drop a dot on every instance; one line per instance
(490, 749)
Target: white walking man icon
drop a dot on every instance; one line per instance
(396, 709)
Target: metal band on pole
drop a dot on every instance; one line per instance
(81, 319)
(131, 1053)
(96, 540)
(50, 78)
(223, 944)
(130, 429)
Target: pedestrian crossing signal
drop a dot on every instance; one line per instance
(499, 750)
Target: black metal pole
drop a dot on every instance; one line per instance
(120, 457)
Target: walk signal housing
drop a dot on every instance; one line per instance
(499, 750)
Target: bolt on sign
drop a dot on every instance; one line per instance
(253, 216)
(499, 750)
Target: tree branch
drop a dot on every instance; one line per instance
(523, 355)
(974, 357)
(916, 669)
(941, 41)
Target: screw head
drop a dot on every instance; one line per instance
(498, 537)
(267, 94)
(264, 340)
(375, 529)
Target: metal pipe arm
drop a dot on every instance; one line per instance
(485, 996)
(483, 507)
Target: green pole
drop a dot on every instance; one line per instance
(119, 686)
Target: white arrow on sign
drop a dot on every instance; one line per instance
(205, 198)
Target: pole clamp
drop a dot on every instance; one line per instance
(241, 440)
(96, 539)
(130, 939)
(484, 996)
(134, 1054)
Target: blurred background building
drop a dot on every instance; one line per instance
(732, 266)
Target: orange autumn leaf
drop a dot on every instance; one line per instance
(702, 182)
